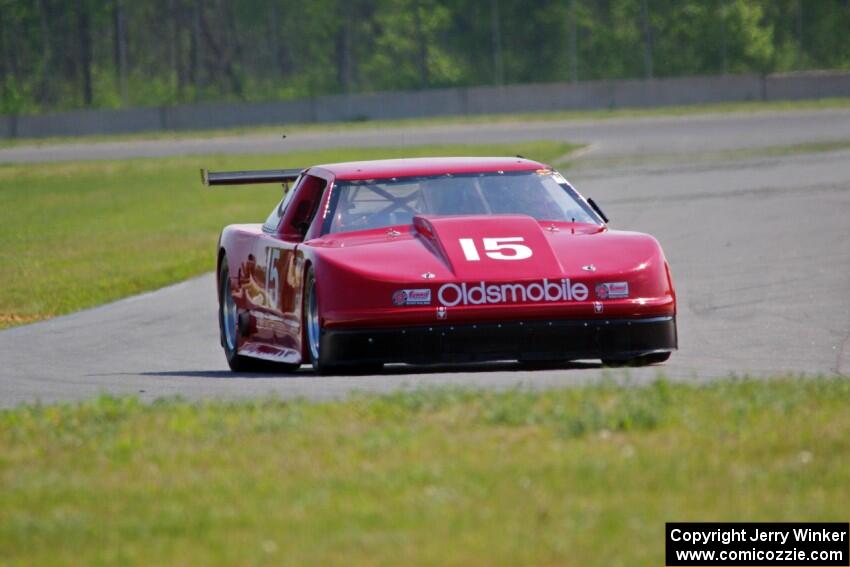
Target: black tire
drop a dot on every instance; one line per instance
(645, 360)
(321, 361)
(228, 324)
(313, 325)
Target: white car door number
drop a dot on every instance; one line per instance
(495, 248)
(272, 276)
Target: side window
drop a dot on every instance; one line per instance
(273, 219)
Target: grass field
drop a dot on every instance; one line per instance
(684, 110)
(581, 476)
(74, 235)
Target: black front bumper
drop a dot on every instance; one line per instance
(514, 340)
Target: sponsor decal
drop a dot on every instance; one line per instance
(482, 293)
(597, 307)
(412, 297)
(612, 290)
(441, 313)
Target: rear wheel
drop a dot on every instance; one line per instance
(228, 323)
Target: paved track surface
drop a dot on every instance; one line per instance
(759, 247)
(615, 137)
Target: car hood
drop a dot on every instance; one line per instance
(487, 267)
(492, 247)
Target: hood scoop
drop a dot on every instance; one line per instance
(490, 247)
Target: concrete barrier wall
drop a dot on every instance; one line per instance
(691, 90)
(389, 105)
(8, 126)
(88, 122)
(223, 115)
(798, 86)
(613, 94)
(587, 95)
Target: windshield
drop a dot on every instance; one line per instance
(376, 203)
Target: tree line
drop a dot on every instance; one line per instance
(61, 54)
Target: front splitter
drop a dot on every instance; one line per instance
(509, 340)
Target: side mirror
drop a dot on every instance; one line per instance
(598, 210)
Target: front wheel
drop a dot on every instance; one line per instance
(313, 324)
(321, 361)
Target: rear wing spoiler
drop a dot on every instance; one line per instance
(210, 178)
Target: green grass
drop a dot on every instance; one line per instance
(581, 476)
(572, 115)
(78, 234)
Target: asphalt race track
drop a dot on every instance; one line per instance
(759, 245)
(612, 137)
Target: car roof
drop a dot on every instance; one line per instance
(411, 167)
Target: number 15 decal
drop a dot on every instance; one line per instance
(495, 248)
(273, 276)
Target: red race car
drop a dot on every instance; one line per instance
(437, 260)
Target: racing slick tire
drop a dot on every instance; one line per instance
(644, 360)
(228, 324)
(321, 360)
